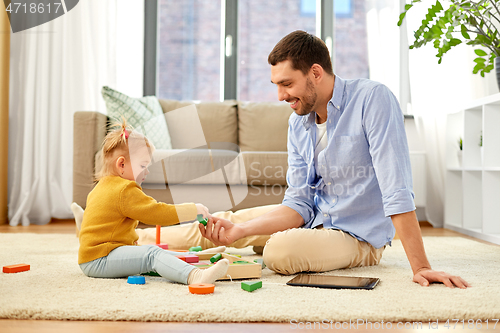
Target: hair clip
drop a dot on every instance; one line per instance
(126, 133)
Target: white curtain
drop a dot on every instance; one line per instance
(387, 48)
(56, 69)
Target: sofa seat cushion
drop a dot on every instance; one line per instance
(194, 166)
(263, 126)
(264, 168)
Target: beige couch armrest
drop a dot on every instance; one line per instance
(88, 135)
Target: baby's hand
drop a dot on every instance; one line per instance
(201, 209)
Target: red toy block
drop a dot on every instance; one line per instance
(191, 258)
(183, 258)
(16, 268)
(163, 246)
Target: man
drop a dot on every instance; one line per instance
(349, 177)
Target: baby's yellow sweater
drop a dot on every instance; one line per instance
(113, 209)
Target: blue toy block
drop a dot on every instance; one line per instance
(260, 261)
(136, 279)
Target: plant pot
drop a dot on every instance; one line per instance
(459, 157)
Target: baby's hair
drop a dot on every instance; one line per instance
(120, 141)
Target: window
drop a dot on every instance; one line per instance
(189, 49)
(351, 42)
(343, 8)
(261, 24)
(192, 61)
(308, 7)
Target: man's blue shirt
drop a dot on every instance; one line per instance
(363, 175)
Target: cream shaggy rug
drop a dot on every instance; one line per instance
(55, 288)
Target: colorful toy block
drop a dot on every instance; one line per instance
(195, 249)
(216, 258)
(251, 286)
(16, 268)
(250, 270)
(136, 279)
(201, 265)
(241, 262)
(201, 288)
(236, 255)
(158, 236)
(151, 274)
(202, 220)
(260, 261)
(183, 258)
(191, 258)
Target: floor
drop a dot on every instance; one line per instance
(68, 227)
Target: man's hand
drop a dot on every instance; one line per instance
(427, 276)
(220, 231)
(408, 230)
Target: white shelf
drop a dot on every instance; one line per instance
(472, 193)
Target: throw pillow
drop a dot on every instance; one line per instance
(143, 114)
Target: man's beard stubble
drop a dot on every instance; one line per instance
(308, 101)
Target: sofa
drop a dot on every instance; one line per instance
(227, 155)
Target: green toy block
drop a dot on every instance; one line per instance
(260, 261)
(251, 286)
(200, 219)
(151, 274)
(216, 258)
(195, 249)
(241, 262)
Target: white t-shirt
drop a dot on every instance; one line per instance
(321, 141)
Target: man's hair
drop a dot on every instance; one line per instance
(303, 50)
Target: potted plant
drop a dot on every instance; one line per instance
(469, 22)
(459, 152)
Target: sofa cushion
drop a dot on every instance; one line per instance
(143, 114)
(263, 126)
(264, 168)
(194, 166)
(218, 122)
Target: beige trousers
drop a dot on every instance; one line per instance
(285, 252)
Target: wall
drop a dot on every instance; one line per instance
(4, 110)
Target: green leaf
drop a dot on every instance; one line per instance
(401, 18)
(438, 5)
(464, 32)
(484, 40)
(477, 68)
(407, 7)
(480, 52)
(488, 68)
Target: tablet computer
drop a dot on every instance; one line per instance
(335, 282)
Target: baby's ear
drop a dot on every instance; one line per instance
(119, 162)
